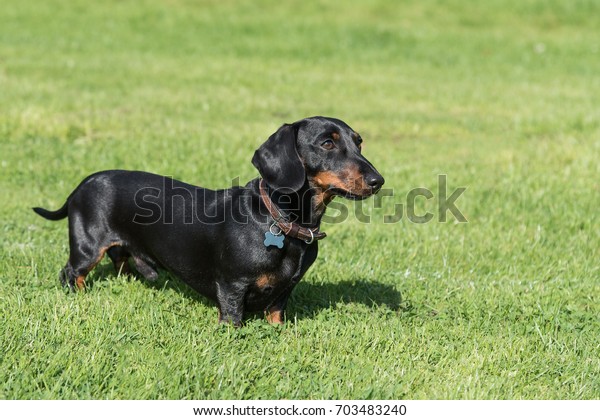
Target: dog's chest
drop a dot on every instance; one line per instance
(283, 274)
(280, 271)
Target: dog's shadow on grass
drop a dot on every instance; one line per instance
(165, 281)
(307, 300)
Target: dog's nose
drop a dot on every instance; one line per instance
(375, 181)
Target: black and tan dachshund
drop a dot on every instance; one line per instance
(245, 247)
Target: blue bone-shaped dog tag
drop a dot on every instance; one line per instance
(275, 240)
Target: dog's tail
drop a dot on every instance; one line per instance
(61, 213)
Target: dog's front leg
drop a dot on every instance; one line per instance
(275, 313)
(230, 297)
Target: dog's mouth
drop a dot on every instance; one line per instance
(351, 186)
(352, 195)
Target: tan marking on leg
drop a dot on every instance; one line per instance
(274, 316)
(80, 282)
(102, 252)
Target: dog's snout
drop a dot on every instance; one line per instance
(375, 181)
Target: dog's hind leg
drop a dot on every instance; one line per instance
(87, 245)
(81, 262)
(119, 257)
(145, 268)
(67, 277)
(76, 270)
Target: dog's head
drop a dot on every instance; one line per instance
(324, 153)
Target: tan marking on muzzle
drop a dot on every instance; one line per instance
(349, 179)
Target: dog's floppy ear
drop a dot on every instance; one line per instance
(278, 162)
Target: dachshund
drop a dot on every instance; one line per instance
(246, 247)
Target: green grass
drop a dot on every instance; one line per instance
(502, 96)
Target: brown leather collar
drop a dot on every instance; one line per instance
(288, 228)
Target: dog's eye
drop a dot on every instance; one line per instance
(328, 144)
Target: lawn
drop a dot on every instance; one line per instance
(500, 96)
